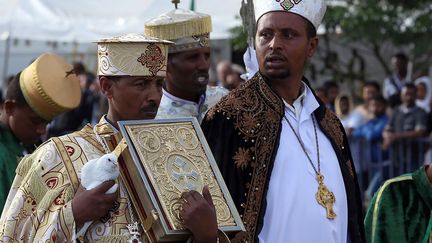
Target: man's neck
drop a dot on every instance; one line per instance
(112, 119)
(429, 173)
(289, 90)
(182, 95)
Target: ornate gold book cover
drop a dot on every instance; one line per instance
(164, 159)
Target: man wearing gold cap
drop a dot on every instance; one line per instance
(185, 92)
(283, 154)
(47, 203)
(36, 95)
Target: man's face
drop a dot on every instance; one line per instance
(369, 92)
(134, 97)
(25, 124)
(333, 92)
(282, 45)
(408, 96)
(188, 71)
(376, 107)
(344, 105)
(421, 91)
(399, 66)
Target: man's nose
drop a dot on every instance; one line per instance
(276, 42)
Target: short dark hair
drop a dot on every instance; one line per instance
(379, 98)
(330, 84)
(372, 83)
(401, 56)
(14, 91)
(410, 86)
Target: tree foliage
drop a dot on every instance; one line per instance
(400, 22)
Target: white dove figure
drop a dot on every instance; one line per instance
(94, 173)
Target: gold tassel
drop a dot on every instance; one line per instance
(113, 239)
(173, 31)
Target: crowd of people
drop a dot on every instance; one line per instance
(282, 147)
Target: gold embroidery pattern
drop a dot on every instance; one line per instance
(153, 58)
(241, 158)
(256, 112)
(330, 123)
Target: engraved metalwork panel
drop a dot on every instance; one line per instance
(175, 161)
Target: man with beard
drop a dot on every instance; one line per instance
(46, 202)
(185, 92)
(283, 154)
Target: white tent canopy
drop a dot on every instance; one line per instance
(89, 20)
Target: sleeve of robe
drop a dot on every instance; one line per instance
(38, 207)
(397, 213)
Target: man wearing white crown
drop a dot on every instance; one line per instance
(284, 156)
(185, 93)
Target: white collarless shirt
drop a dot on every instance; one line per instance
(293, 213)
(174, 107)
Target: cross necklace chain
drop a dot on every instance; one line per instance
(324, 196)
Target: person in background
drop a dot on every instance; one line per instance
(393, 84)
(321, 93)
(407, 124)
(223, 69)
(370, 90)
(186, 92)
(372, 130)
(233, 80)
(43, 90)
(424, 92)
(332, 92)
(343, 109)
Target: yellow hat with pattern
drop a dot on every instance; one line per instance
(187, 29)
(50, 86)
(133, 55)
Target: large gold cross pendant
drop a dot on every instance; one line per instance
(325, 197)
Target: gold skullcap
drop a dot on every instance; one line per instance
(133, 55)
(50, 87)
(187, 29)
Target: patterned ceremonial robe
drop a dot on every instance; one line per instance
(38, 208)
(174, 107)
(243, 132)
(401, 210)
(10, 152)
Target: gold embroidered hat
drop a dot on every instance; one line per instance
(49, 86)
(187, 29)
(312, 10)
(132, 55)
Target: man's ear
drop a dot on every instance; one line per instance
(313, 45)
(106, 86)
(9, 106)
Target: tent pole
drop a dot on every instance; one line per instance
(6, 60)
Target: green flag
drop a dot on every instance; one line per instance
(192, 5)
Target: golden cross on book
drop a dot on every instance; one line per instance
(176, 2)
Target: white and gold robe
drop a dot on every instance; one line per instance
(38, 208)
